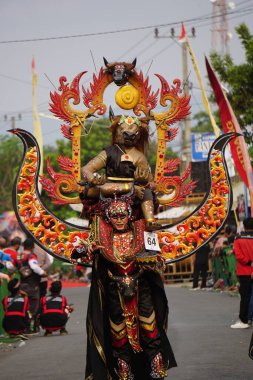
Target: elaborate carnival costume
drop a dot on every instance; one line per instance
(127, 312)
(127, 304)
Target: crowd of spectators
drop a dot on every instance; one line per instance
(231, 257)
(24, 274)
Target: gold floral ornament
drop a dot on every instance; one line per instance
(129, 120)
(127, 97)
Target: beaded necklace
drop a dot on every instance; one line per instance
(123, 244)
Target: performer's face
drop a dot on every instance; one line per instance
(119, 216)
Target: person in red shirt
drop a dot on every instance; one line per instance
(54, 310)
(30, 281)
(16, 310)
(243, 249)
(13, 248)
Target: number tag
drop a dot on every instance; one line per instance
(151, 241)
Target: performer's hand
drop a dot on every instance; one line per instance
(93, 247)
(161, 265)
(79, 252)
(70, 308)
(97, 179)
(141, 175)
(152, 186)
(139, 191)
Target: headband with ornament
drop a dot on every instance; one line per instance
(117, 204)
(129, 120)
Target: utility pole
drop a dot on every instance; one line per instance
(186, 131)
(186, 154)
(220, 31)
(13, 120)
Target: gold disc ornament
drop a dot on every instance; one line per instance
(127, 97)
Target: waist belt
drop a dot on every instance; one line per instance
(120, 179)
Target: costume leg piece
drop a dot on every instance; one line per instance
(125, 372)
(157, 366)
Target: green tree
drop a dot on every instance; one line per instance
(238, 79)
(202, 123)
(10, 158)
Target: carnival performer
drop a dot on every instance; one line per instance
(127, 310)
(125, 164)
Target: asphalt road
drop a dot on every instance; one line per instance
(204, 345)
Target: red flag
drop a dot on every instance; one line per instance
(182, 37)
(230, 124)
(33, 64)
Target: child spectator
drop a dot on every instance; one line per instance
(54, 310)
(16, 310)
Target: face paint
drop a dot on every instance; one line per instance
(118, 215)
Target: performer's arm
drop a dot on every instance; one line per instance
(142, 175)
(89, 171)
(33, 263)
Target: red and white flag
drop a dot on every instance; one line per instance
(33, 64)
(182, 37)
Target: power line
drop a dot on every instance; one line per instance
(135, 45)
(243, 2)
(29, 110)
(150, 45)
(204, 23)
(195, 19)
(201, 24)
(22, 81)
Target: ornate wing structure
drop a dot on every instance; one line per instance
(56, 236)
(176, 243)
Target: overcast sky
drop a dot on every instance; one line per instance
(43, 19)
